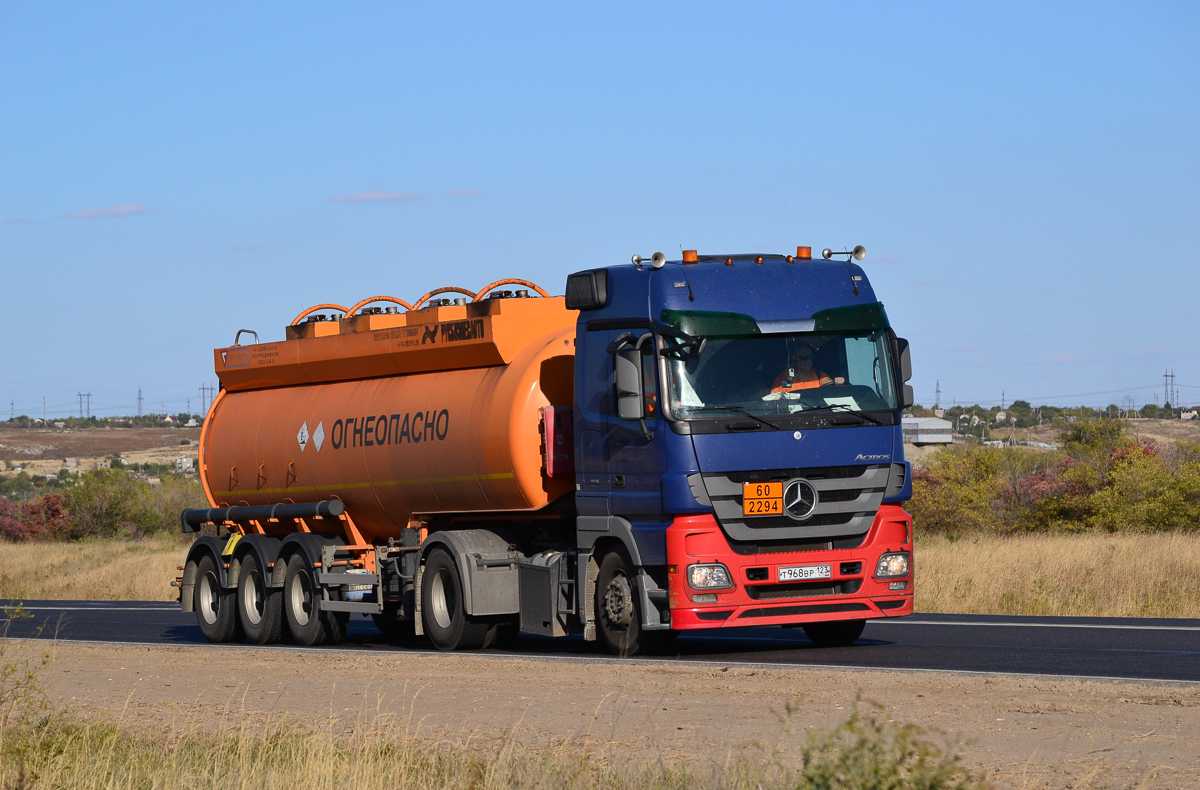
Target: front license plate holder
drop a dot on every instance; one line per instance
(802, 573)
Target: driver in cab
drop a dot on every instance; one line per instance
(801, 374)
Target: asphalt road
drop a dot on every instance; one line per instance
(1142, 649)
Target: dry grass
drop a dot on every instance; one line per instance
(1101, 575)
(65, 751)
(101, 570)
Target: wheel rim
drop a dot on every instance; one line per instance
(618, 602)
(441, 598)
(210, 601)
(253, 598)
(300, 598)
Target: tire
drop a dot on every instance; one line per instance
(216, 608)
(260, 607)
(840, 633)
(306, 623)
(446, 621)
(619, 609)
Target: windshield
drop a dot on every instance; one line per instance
(783, 374)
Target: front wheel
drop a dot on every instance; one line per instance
(619, 611)
(840, 633)
(216, 608)
(442, 611)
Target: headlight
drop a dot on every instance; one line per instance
(709, 577)
(892, 565)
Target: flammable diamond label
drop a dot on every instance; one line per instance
(319, 436)
(302, 437)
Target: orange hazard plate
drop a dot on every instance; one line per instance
(762, 499)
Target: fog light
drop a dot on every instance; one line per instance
(898, 585)
(705, 597)
(709, 577)
(892, 565)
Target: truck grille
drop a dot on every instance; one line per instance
(848, 498)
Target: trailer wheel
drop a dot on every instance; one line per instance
(446, 621)
(840, 633)
(260, 608)
(216, 608)
(301, 605)
(618, 613)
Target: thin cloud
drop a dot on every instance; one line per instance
(466, 192)
(116, 212)
(377, 196)
(19, 220)
(1060, 358)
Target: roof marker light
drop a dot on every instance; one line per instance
(804, 252)
(758, 260)
(690, 256)
(729, 261)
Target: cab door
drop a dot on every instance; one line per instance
(635, 449)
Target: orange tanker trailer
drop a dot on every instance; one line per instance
(480, 463)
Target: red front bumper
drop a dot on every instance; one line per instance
(758, 598)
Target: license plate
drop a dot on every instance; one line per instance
(802, 572)
(762, 499)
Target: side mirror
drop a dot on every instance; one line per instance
(628, 375)
(908, 399)
(905, 359)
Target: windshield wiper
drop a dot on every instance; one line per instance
(844, 408)
(738, 410)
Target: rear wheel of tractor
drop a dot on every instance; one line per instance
(260, 608)
(302, 606)
(445, 617)
(216, 608)
(618, 611)
(840, 633)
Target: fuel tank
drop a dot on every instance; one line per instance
(431, 412)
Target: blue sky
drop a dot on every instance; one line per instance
(1025, 177)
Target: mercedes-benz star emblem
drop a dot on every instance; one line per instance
(799, 499)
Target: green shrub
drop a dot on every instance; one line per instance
(1101, 479)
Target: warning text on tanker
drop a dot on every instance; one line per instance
(384, 429)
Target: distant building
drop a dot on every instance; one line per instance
(183, 464)
(192, 423)
(926, 430)
(1188, 415)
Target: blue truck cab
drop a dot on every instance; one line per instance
(738, 450)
